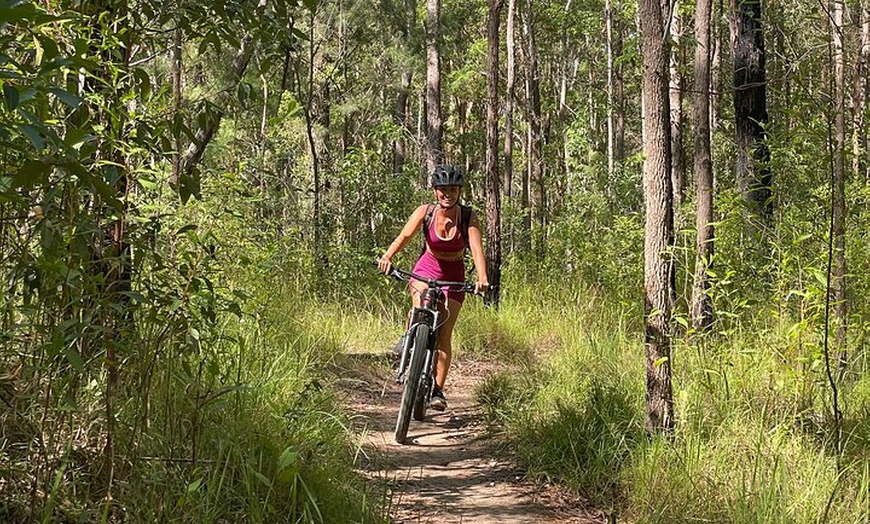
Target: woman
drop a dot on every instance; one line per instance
(443, 259)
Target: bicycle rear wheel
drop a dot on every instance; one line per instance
(420, 336)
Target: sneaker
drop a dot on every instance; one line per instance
(438, 402)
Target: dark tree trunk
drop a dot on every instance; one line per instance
(702, 304)
(838, 196)
(750, 107)
(493, 198)
(535, 136)
(510, 88)
(658, 266)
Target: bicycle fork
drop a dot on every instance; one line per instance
(420, 318)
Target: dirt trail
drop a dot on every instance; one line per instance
(451, 470)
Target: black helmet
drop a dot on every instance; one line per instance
(446, 175)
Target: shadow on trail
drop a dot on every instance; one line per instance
(448, 471)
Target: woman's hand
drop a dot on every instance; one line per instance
(385, 265)
(481, 286)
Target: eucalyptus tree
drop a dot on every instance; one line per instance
(534, 195)
(678, 163)
(659, 234)
(750, 107)
(702, 302)
(433, 147)
(493, 191)
(510, 94)
(838, 181)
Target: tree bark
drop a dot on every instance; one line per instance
(860, 136)
(177, 94)
(510, 91)
(838, 197)
(204, 134)
(401, 115)
(434, 154)
(658, 235)
(611, 89)
(678, 164)
(493, 197)
(702, 303)
(537, 208)
(750, 107)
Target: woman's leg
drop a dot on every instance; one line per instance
(445, 341)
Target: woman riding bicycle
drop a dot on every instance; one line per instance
(442, 259)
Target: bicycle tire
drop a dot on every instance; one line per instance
(412, 382)
(422, 396)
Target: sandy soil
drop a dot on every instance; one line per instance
(451, 471)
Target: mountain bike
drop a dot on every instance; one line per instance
(418, 356)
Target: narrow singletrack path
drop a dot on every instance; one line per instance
(451, 470)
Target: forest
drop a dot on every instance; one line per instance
(672, 196)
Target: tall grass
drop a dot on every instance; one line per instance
(754, 438)
(269, 441)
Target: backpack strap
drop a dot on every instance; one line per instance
(464, 221)
(430, 211)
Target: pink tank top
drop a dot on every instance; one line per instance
(436, 243)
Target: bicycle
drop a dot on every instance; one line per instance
(418, 356)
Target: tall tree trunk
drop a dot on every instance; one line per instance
(535, 135)
(702, 303)
(401, 115)
(177, 95)
(189, 183)
(658, 236)
(838, 197)
(750, 107)
(434, 153)
(493, 198)
(316, 111)
(860, 137)
(619, 87)
(678, 163)
(611, 89)
(510, 91)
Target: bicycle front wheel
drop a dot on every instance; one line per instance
(420, 338)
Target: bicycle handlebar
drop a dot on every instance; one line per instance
(399, 274)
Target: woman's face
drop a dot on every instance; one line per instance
(447, 196)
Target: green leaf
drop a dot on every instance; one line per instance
(66, 97)
(262, 478)
(311, 4)
(74, 358)
(10, 96)
(189, 187)
(147, 183)
(33, 134)
(820, 275)
(194, 486)
(31, 173)
(660, 361)
(144, 81)
(287, 458)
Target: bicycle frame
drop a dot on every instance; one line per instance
(417, 369)
(426, 314)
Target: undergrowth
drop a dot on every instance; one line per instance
(754, 440)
